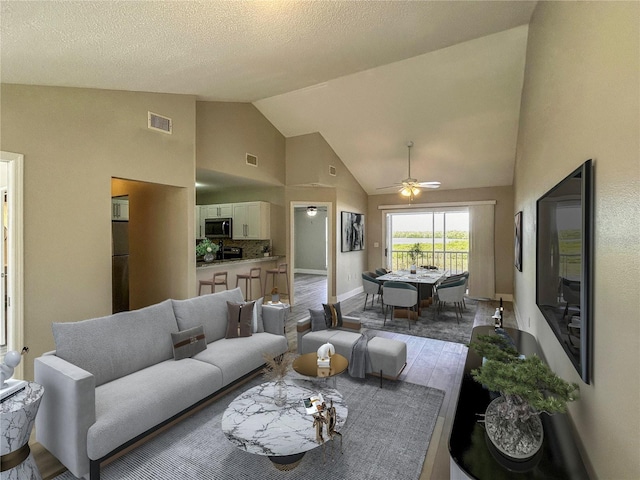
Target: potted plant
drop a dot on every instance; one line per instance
(527, 388)
(207, 249)
(414, 253)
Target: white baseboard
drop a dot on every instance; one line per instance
(350, 294)
(310, 271)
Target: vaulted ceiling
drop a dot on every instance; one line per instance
(369, 76)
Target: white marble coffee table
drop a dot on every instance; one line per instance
(253, 422)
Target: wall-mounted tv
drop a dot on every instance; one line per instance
(564, 240)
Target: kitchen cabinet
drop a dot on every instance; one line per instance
(119, 209)
(251, 221)
(224, 210)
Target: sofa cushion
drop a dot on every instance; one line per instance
(116, 345)
(238, 356)
(131, 405)
(209, 311)
(333, 315)
(188, 342)
(239, 319)
(318, 321)
(342, 340)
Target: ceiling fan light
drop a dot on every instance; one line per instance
(312, 211)
(405, 191)
(415, 191)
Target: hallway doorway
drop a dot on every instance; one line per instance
(310, 250)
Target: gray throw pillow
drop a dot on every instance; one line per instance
(188, 342)
(257, 324)
(332, 315)
(317, 320)
(239, 319)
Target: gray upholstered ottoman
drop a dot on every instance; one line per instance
(387, 355)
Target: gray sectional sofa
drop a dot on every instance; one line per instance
(113, 380)
(386, 357)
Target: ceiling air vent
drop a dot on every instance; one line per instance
(160, 123)
(332, 170)
(252, 160)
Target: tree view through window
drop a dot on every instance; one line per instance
(440, 239)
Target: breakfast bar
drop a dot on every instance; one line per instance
(233, 267)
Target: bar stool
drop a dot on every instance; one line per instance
(254, 274)
(219, 278)
(281, 270)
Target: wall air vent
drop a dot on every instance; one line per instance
(252, 160)
(159, 123)
(332, 170)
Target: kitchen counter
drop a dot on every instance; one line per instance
(217, 263)
(205, 271)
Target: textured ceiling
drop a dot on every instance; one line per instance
(249, 51)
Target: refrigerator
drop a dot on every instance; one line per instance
(120, 266)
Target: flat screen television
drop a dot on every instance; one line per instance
(564, 241)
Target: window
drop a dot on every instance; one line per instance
(442, 237)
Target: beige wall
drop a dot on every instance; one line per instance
(226, 132)
(311, 153)
(580, 101)
(74, 141)
(504, 226)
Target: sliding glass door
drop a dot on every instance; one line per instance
(439, 238)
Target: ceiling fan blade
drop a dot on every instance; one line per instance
(429, 184)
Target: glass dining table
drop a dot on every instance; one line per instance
(424, 279)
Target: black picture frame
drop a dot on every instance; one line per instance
(352, 232)
(517, 241)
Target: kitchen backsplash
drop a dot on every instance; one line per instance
(250, 248)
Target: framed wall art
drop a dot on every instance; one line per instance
(352, 231)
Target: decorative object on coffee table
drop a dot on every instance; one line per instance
(324, 355)
(328, 418)
(275, 370)
(527, 387)
(9, 387)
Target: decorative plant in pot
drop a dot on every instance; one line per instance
(527, 387)
(414, 253)
(207, 249)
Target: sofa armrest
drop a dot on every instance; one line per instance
(274, 319)
(351, 324)
(67, 410)
(303, 326)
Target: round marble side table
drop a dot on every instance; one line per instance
(17, 416)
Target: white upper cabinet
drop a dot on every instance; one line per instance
(119, 209)
(251, 221)
(224, 210)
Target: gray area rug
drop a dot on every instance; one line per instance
(386, 436)
(440, 326)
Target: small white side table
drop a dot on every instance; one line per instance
(18, 413)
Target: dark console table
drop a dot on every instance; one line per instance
(471, 457)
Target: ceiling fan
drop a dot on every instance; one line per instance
(411, 187)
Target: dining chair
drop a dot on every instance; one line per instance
(381, 271)
(451, 292)
(371, 286)
(400, 294)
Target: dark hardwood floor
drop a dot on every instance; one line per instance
(432, 363)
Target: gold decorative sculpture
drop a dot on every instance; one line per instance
(329, 418)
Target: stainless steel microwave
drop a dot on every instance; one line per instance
(217, 228)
